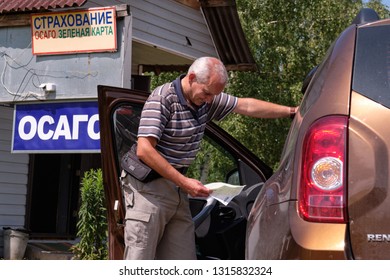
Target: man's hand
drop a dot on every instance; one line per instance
(194, 188)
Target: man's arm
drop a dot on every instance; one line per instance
(147, 152)
(262, 109)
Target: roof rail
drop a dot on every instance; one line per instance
(366, 15)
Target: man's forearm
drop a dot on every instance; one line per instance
(147, 152)
(262, 109)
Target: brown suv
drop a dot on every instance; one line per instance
(329, 197)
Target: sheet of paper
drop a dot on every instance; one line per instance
(224, 192)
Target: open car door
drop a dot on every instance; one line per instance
(220, 230)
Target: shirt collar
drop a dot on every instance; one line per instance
(183, 100)
(179, 91)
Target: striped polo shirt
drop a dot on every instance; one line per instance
(178, 127)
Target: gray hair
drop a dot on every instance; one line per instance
(203, 66)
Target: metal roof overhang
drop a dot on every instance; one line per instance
(16, 6)
(226, 31)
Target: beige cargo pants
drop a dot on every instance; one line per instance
(158, 222)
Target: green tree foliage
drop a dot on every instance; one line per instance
(162, 78)
(382, 10)
(92, 225)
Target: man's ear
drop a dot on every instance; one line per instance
(191, 78)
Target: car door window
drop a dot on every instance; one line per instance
(212, 164)
(372, 64)
(125, 120)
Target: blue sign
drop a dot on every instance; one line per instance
(56, 127)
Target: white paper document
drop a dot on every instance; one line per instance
(224, 192)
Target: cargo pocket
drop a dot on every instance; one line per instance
(137, 228)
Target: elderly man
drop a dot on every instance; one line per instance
(158, 219)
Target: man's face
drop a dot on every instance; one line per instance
(205, 93)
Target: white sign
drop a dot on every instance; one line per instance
(90, 30)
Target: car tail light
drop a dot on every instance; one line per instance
(322, 194)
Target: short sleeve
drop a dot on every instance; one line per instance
(222, 105)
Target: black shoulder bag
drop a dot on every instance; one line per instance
(136, 168)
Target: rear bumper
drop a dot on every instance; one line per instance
(279, 233)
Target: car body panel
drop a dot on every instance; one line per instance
(369, 199)
(275, 210)
(369, 145)
(352, 81)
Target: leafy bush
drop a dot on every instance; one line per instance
(92, 225)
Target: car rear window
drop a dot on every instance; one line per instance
(372, 64)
